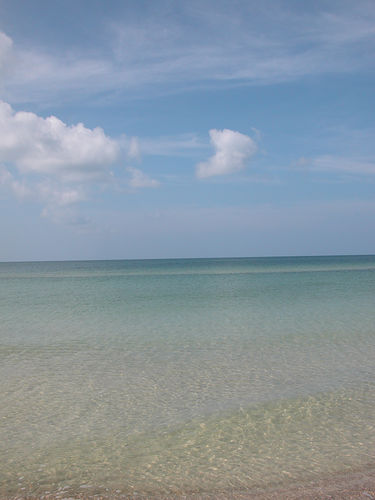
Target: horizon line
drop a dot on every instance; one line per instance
(188, 258)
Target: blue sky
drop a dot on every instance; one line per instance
(132, 129)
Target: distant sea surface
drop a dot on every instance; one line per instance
(164, 377)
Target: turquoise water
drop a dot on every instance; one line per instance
(184, 376)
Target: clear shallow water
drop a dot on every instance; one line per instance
(173, 376)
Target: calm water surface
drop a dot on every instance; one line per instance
(179, 376)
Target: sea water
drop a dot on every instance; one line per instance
(162, 377)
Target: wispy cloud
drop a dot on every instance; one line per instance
(5, 51)
(233, 44)
(173, 145)
(339, 165)
(232, 150)
(134, 150)
(141, 180)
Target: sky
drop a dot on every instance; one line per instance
(159, 129)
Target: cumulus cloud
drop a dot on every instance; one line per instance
(49, 192)
(55, 194)
(232, 150)
(48, 146)
(141, 180)
(58, 165)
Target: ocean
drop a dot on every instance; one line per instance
(184, 376)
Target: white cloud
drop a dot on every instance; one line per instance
(50, 162)
(233, 149)
(46, 161)
(55, 194)
(141, 180)
(47, 191)
(48, 146)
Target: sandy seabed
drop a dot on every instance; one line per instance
(358, 485)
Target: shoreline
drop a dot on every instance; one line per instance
(356, 485)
